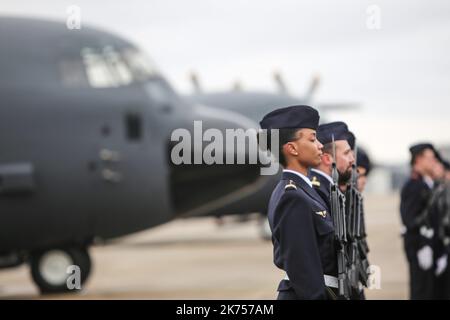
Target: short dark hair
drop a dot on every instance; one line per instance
(284, 136)
(328, 148)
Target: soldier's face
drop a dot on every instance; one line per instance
(362, 178)
(306, 148)
(344, 158)
(427, 162)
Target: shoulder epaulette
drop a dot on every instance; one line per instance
(290, 186)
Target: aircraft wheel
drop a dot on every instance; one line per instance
(51, 269)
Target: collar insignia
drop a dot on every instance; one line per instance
(323, 214)
(315, 182)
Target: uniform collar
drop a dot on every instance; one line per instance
(425, 179)
(303, 182)
(323, 174)
(428, 181)
(305, 178)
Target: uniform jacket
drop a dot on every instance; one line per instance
(413, 201)
(303, 237)
(322, 185)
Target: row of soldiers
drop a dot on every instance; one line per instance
(425, 213)
(316, 210)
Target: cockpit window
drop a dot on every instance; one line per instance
(99, 70)
(107, 68)
(73, 73)
(141, 66)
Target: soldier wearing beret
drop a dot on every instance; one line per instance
(321, 175)
(302, 229)
(418, 233)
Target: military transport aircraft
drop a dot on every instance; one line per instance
(85, 127)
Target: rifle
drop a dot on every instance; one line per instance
(340, 229)
(356, 233)
(352, 217)
(363, 247)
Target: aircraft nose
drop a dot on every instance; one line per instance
(229, 133)
(223, 166)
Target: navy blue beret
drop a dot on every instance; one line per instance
(326, 131)
(351, 140)
(293, 117)
(419, 147)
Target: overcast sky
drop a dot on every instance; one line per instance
(400, 73)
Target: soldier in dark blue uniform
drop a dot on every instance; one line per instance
(321, 175)
(418, 233)
(302, 229)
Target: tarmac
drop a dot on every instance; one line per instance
(198, 258)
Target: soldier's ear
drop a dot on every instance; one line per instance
(291, 148)
(327, 159)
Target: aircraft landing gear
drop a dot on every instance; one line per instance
(51, 269)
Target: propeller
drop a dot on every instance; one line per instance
(281, 84)
(313, 85)
(195, 82)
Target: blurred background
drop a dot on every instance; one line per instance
(382, 67)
